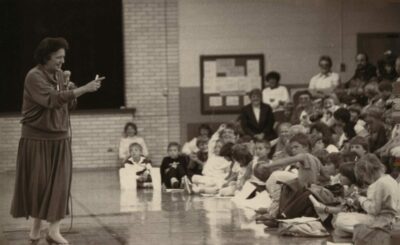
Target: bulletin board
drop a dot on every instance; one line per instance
(225, 81)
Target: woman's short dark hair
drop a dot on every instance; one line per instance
(130, 124)
(325, 58)
(48, 46)
(273, 75)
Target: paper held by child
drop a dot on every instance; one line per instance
(174, 190)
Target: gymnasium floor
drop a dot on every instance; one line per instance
(102, 214)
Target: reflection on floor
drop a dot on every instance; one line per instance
(102, 214)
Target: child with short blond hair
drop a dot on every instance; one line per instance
(141, 164)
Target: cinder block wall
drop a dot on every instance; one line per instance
(151, 86)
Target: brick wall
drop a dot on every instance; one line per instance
(151, 86)
(152, 70)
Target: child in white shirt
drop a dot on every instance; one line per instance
(140, 164)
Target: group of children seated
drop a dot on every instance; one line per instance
(303, 171)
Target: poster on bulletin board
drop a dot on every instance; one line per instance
(225, 81)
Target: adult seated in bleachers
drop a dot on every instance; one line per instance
(365, 70)
(376, 128)
(257, 118)
(130, 136)
(385, 91)
(275, 95)
(386, 67)
(302, 101)
(371, 91)
(190, 147)
(329, 107)
(325, 82)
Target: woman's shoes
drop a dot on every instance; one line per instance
(34, 240)
(51, 241)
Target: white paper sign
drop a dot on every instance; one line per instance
(210, 85)
(253, 68)
(210, 69)
(232, 100)
(215, 101)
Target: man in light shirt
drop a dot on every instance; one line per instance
(325, 82)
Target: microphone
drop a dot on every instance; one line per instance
(67, 76)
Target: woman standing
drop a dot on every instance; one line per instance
(44, 162)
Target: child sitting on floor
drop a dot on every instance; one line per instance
(198, 159)
(173, 167)
(348, 181)
(141, 165)
(224, 134)
(262, 149)
(214, 172)
(239, 172)
(381, 203)
(309, 171)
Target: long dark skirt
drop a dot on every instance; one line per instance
(43, 179)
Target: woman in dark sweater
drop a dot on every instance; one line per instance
(44, 162)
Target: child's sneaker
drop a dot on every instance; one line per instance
(175, 185)
(148, 185)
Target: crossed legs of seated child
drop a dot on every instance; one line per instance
(144, 179)
(206, 184)
(173, 176)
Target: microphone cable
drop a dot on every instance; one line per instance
(70, 146)
(69, 194)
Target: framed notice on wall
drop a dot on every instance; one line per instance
(225, 81)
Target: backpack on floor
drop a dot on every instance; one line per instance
(294, 201)
(302, 227)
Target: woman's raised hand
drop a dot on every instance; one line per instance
(94, 85)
